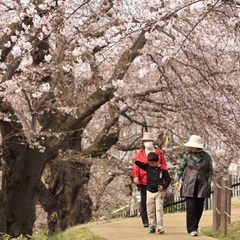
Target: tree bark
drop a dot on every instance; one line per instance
(68, 183)
(21, 174)
(22, 167)
(3, 226)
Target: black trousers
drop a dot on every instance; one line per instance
(194, 207)
(143, 206)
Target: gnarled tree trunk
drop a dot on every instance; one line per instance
(68, 184)
(20, 182)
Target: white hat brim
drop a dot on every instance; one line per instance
(195, 145)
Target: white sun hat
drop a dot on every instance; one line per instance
(195, 141)
(148, 136)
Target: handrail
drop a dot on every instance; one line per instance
(125, 211)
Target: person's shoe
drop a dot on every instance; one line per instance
(194, 233)
(161, 230)
(145, 225)
(151, 230)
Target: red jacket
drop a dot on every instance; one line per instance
(140, 173)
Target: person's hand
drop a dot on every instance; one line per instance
(135, 180)
(177, 185)
(160, 188)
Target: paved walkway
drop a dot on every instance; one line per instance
(174, 224)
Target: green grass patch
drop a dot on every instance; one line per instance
(74, 233)
(233, 232)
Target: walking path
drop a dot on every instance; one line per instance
(174, 225)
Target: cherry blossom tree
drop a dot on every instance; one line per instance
(81, 80)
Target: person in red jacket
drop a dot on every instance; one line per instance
(140, 176)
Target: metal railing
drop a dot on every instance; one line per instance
(172, 204)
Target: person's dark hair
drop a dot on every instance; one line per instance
(152, 157)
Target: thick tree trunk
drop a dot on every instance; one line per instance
(3, 227)
(66, 201)
(68, 183)
(22, 168)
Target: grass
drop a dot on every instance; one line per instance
(233, 232)
(74, 233)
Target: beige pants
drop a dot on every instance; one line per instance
(155, 203)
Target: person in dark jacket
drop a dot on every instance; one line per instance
(196, 173)
(158, 180)
(140, 176)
